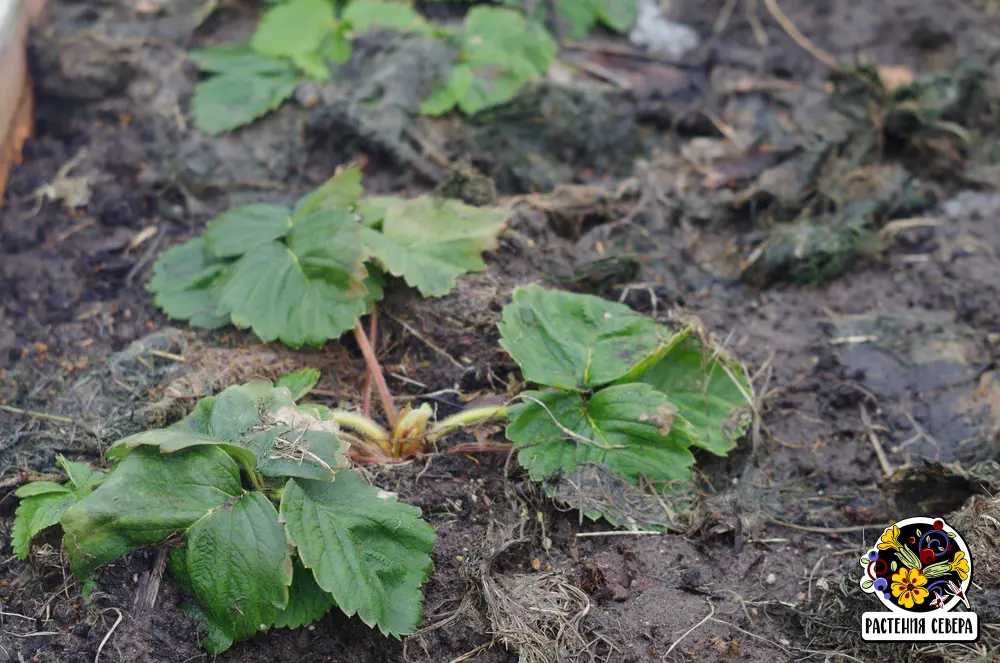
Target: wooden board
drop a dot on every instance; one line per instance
(16, 105)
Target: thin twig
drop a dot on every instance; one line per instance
(42, 415)
(28, 477)
(759, 33)
(100, 648)
(168, 355)
(815, 568)
(371, 361)
(883, 460)
(711, 611)
(825, 530)
(35, 634)
(799, 38)
(14, 614)
(722, 20)
(581, 535)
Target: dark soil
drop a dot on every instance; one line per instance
(903, 347)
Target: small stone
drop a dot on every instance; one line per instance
(771, 579)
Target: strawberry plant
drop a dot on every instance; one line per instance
(266, 524)
(303, 274)
(500, 50)
(295, 41)
(618, 389)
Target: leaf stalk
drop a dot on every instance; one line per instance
(465, 418)
(375, 370)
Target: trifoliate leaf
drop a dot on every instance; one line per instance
(493, 34)
(148, 497)
(239, 59)
(631, 429)
(339, 192)
(299, 383)
(367, 550)
(239, 567)
(577, 342)
(366, 15)
(180, 282)
(307, 602)
(300, 293)
(170, 441)
(709, 389)
(293, 28)
(502, 50)
(241, 229)
(431, 242)
(263, 422)
(43, 503)
(223, 103)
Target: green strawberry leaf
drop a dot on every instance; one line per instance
(241, 229)
(445, 96)
(82, 477)
(299, 383)
(709, 389)
(339, 192)
(239, 567)
(431, 242)
(501, 51)
(181, 277)
(619, 15)
(168, 441)
(366, 15)
(36, 488)
(261, 427)
(36, 513)
(239, 59)
(631, 429)
(579, 16)
(147, 497)
(487, 87)
(370, 552)
(43, 503)
(578, 342)
(307, 291)
(293, 28)
(223, 103)
(307, 602)
(493, 34)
